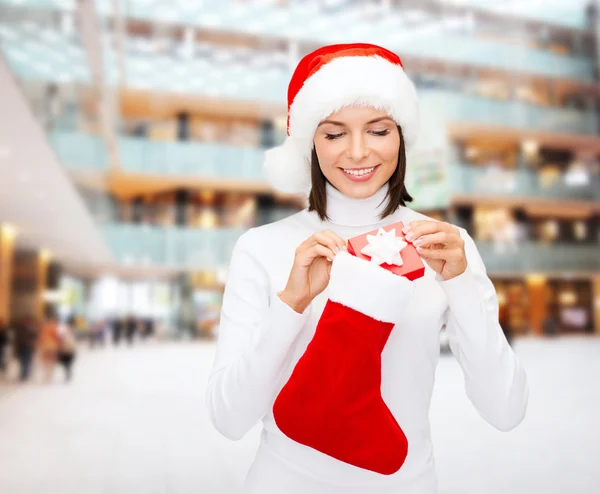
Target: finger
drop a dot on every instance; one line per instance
(339, 241)
(322, 251)
(423, 227)
(327, 240)
(307, 256)
(448, 240)
(445, 254)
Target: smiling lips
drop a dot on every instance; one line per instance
(359, 173)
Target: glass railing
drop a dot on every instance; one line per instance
(43, 53)
(570, 14)
(175, 247)
(513, 114)
(465, 49)
(528, 257)
(80, 151)
(468, 179)
(190, 159)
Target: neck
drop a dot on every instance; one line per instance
(346, 211)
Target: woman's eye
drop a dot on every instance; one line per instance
(333, 136)
(381, 132)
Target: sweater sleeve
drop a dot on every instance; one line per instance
(256, 331)
(495, 380)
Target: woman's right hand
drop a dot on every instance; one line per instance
(310, 273)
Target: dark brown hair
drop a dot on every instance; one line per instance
(397, 194)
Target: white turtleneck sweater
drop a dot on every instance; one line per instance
(261, 339)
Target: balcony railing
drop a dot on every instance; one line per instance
(191, 159)
(460, 107)
(530, 257)
(467, 179)
(175, 247)
(80, 151)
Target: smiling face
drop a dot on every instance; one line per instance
(358, 149)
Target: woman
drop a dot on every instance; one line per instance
(306, 342)
(67, 349)
(26, 334)
(49, 346)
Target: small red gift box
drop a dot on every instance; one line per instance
(412, 267)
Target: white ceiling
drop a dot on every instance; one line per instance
(36, 194)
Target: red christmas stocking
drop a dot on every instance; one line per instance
(332, 401)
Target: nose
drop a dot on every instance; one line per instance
(358, 149)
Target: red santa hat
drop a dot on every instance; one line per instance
(327, 80)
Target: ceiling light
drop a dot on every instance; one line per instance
(45, 254)
(530, 147)
(535, 279)
(8, 231)
(472, 152)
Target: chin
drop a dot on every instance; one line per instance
(359, 191)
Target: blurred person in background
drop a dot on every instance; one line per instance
(48, 345)
(26, 334)
(118, 325)
(313, 365)
(97, 333)
(53, 107)
(67, 349)
(81, 327)
(148, 331)
(131, 328)
(3, 345)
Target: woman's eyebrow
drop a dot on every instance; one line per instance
(375, 120)
(332, 122)
(341, 124)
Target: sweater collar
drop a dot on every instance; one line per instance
(346, 211)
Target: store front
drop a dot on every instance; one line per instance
(570, 305)
(513, 305)
(545, 306)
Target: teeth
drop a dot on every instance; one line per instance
(358, 173)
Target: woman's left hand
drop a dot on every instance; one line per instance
(440, 245)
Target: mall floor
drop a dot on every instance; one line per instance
(134, 421)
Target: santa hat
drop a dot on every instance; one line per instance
(327, 80)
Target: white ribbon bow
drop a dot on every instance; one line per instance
(384, 247)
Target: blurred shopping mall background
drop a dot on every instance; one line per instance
(132, 134)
